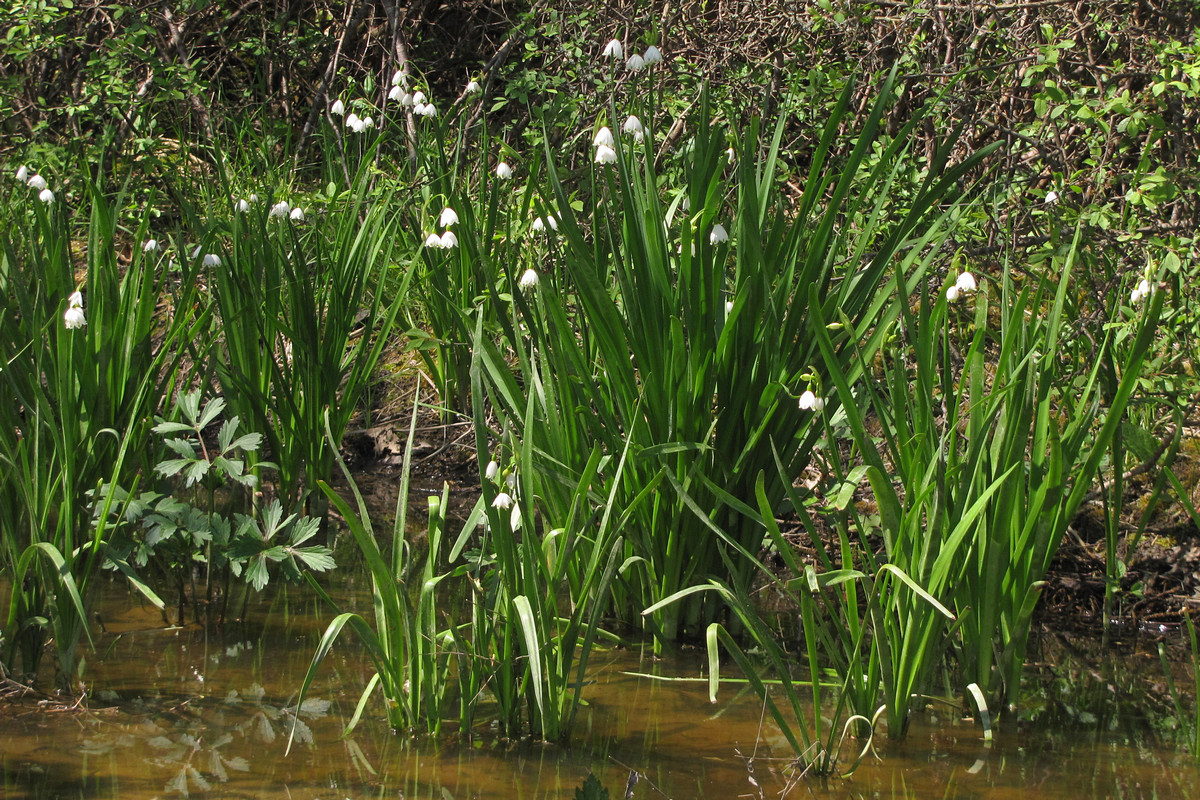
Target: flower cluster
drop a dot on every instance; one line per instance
(963, 284)
(73, 317)
(1143, 290)
(35, 182)
(615, 50)
(447, 240)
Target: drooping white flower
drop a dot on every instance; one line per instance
(73, 317)
(419, 98)
(493, 469)
(406, 100)
(46, 196)
(398, 78)
(952, 293)
(75, 300)
(241, 206)
(37, 183)
(718, 234)
(253, 197)
(550, 222)
(605, 154)
(632, 125)
(449, 240)
(23, 173)
(529, 279)
(613, 49)
(368, 123)
(503, 171)
(731, 155)
(474, 88)
(603, 137)
(297, 214)
(151, 246)
(503, 500)
(353, 122)
(1140, 293)
(510, 480)
(425, 110)
(338, 108)
(728, 307)
(280, 210)
(433, 240)
(635, 63)
(652, 56)
(448, 218)
(1051, 197)
(396, 93)
(810, 402)
(966, 283)
(212, 260)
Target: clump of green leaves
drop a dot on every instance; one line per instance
(202, 533)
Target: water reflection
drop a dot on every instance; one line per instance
(183, 712)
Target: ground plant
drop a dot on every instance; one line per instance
(806, 342)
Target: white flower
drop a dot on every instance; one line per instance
(810, 402)
(603, 137)
(1051, 197)
(635, 63)
(449, 240)
(419, 98)
(728, 307)
(966, 283)
(37, 182)
(425, 110)
(73, 317)
(718, 234)
(396, 93)
(353, 122)
(514, 520)
(419, 109)
(510, 480)
(529, 279)
(503, 500)
(550, 222)
(75, 300)
(398, 78)
(23, 173)
(280, 210)
(433, 240)
(46, 196)
(613, 49)
(503, 171)
(652, 56)
(253, 197)
(448, 217)
(632, 125)
(151, 246)
(297, 214)
(338, 108)
(730, 155)
(493, 469)
(952, 293)
(241, 206)
(605, 154)
(212, 260)
(474, 88)
(368, 123)
(1140, 293)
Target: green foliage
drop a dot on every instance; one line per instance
(180, 538)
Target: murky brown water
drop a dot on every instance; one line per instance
(181, 712)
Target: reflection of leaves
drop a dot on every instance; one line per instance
(190, 748)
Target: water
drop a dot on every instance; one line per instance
(179, 712)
